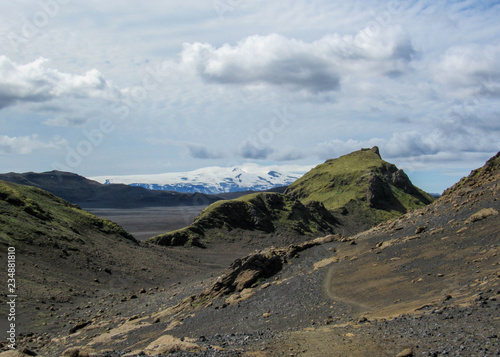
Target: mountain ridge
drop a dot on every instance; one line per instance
(425, 283)
(371, 191)
(92, 194)
(68, 257)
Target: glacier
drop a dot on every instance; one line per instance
(215, 179)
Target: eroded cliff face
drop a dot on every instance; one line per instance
(256, 217)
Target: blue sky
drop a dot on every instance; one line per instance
(124, 87)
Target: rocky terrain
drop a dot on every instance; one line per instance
(424, 284)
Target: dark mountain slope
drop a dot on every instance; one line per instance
(477, 178)
(361, 186)
(91, 194)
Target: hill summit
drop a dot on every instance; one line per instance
(360, 186)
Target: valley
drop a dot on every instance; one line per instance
(250, 178)
(144, 223)
(264, 274)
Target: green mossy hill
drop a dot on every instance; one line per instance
(261, 213)
(360, 185)
(29, 215)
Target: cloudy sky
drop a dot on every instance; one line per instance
(129, 87)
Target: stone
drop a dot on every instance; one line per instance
(79, 326)
(420, 230)
(406, 353)
(71, 352)
(482, 214)
(12, 353)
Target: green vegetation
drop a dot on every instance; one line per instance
(361, 185)
(33, 216)
(188, 236)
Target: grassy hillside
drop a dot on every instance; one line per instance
(66, 256)
(361, 185)
(30, 215)
(254, 214)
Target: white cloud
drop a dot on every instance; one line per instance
(32, 82)
(255, 151)
(71, 113)
(65, 121)
(314, 67)
(439, 144)
(25, 144)
(345, 71)
(198, 151)
(470, 69)
(288, 153)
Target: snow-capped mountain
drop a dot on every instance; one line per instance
(213, 180)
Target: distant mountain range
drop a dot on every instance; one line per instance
(91, 194)
(214, 180)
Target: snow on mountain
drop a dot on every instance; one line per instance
(213, 180)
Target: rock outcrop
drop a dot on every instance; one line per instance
(245, 273)
(256, 215)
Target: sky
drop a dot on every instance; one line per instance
(128, 87)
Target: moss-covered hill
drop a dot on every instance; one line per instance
(351, 193)
(361, 186)
(251, 216)
(31, 216)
